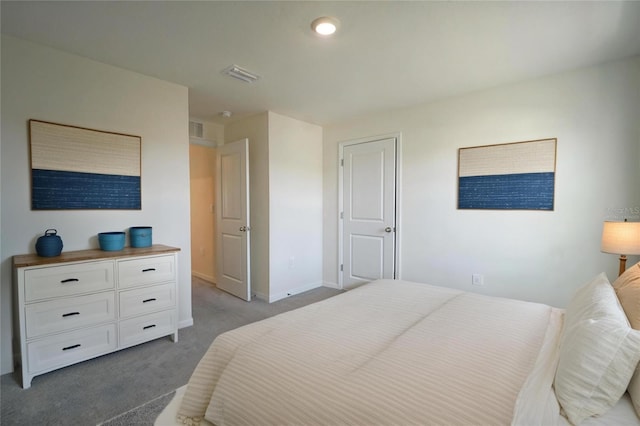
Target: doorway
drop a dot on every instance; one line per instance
(369, 210)
(202, 169)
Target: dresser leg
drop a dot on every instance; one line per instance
(25, 379)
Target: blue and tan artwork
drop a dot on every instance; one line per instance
(515, 176)
(78, 168)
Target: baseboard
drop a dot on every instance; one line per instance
(185, 323)
(261, 296)
(207, 278)
(293, 291)
(331, 285)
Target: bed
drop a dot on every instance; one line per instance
(399, 352)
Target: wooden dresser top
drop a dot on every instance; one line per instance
(24, 260)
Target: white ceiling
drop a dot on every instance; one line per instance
(386, 55)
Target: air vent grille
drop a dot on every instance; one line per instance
(195, 129)
(241, 74)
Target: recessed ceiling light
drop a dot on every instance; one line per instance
(325, 25)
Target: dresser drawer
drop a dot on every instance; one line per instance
(146, 299)
(147, 327)
(67, 280)
(146, 270)
(68, 348)
(68, 313)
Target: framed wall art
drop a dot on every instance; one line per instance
(78, 168)
(512, 176)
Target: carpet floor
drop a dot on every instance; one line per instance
(100, 389)
(143, 415)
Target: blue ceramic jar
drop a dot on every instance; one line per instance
(50, 244)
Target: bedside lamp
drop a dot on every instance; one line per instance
(621, 238)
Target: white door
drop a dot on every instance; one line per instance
(232, 215)
(368, 215)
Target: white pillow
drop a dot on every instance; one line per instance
(599, 352)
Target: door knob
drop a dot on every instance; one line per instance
(387, 229)
(243, 229)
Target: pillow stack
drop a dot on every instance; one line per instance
(599, 352)
(627, 288)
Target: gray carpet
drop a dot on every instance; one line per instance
(100, 389)
(143, 415)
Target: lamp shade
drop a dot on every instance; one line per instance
(621, 238)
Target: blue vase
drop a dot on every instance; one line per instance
(50, 244)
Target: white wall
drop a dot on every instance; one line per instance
(42, 83)
(285, 168)
(295, 206)
(533, 255)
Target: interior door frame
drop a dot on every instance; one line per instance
(398, 203)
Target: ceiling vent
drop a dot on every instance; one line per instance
(195, 130)
(240, 74)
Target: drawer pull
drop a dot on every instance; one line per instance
(70, 314)
(153, 299)
(69, 280)
(148, 269)
(148, 326)
(71, 347)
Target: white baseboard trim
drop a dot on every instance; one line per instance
(293, 291)
(205, 277)
(331, 285)
(185, 323)
(261, 296)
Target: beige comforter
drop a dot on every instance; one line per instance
(389, 352)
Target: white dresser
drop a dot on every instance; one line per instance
(87, 303)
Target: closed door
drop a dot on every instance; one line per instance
(232, 217)
(369, 211)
